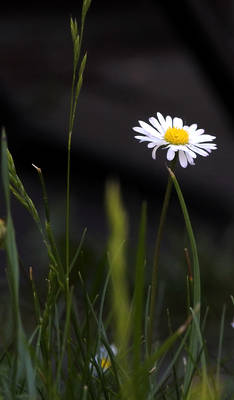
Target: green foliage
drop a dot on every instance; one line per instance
(92, 340)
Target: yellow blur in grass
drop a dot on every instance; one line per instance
(117, 262)
(204, 389)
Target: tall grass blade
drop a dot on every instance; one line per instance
(23, 360)
(194, 340)
(77, 80)
(117, 263)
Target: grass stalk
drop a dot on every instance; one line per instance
(77, 80)
(194, 339)
(22, 362)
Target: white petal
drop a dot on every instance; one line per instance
(190, 152)
(207, 146)
(103, 352)
(168, 122)
(198, 150)
(157, 125)
(162, 121)
(190, 159)
(183, 159)
(143, 138)
(143, 132)
(177, 147)
(151, 145)
(199, 131)
(170, 154)
(203, 138)
(186, 148)
(192, 128)
(177, 123)
(139, 130)
(154, 152)
(149, 129)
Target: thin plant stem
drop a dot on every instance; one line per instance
(68, 204)
(76, 85)
(156, 255)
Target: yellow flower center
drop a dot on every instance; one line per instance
(176, 136)
(105, 363)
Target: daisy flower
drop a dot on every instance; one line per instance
(102, 358)
(171, 134)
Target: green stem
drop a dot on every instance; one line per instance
(73, 105)
(68, 206)
(156, 255)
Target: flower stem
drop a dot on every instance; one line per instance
(68, 205)
(156, 255)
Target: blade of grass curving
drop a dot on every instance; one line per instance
(23, 360)
(138, 296)
(194, 341)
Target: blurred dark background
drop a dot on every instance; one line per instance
(143, 57)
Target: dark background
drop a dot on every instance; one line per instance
(174, 57)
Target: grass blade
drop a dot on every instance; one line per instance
(194, 341)
(117, 262)
(23, 359)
